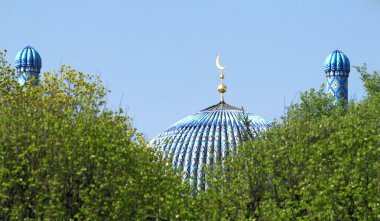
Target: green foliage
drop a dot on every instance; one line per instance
(371, 81)
(64, 155)
(320, 163)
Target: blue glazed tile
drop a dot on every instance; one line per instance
(205, 139)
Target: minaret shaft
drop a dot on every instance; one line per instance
(337, 86)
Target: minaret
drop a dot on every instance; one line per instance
(337, 69)
(28, 64)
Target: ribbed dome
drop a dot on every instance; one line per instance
(338, 63)
(28, 60)
(205, 138)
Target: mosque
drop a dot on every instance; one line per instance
(208, 136)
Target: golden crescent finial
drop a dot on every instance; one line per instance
(222, 88)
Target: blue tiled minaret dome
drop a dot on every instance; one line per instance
(337, 69)
(207, 137)
(28, 63)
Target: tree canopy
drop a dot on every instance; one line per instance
(65, 155)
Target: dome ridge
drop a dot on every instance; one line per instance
(337, 63)
(205, 138)
(28, 60)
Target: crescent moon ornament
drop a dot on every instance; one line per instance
(220, 67)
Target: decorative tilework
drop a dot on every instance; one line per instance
(337, 63)
(337, 86)
(28, 61)
(337, 69)
(204, 139)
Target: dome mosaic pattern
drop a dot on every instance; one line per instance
(28, 63)
(337, 63)
(205, 138)
(28, 60)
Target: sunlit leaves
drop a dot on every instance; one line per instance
(64, 155)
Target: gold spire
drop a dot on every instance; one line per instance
(222, 88)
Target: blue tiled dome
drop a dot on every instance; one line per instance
(205, 138)
(28, 60)
(337, 62)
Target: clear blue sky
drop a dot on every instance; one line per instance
(158, 57)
